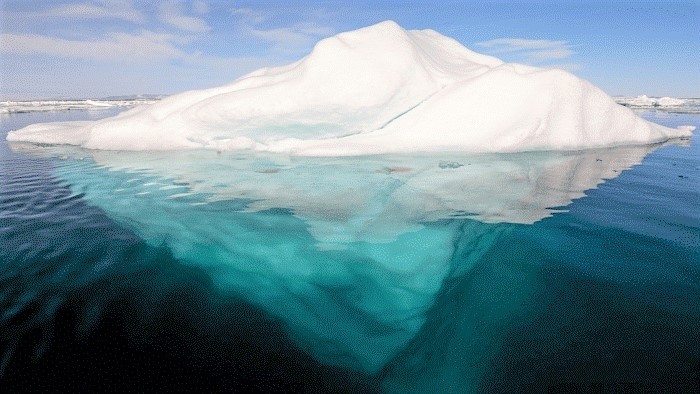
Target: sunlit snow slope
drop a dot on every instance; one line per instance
(378, 89)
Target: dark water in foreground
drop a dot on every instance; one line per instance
(483, 273)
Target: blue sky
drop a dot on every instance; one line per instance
(98, 48)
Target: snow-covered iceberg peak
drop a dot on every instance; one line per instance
(379, 89)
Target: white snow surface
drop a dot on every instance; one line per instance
(379, 89)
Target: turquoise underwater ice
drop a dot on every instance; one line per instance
(350, 253)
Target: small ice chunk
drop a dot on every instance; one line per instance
(449, 164)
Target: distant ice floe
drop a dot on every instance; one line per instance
(12, 107)
(379, 89)
(669, 104)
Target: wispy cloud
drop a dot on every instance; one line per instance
(142, 42)
(200, 7)
(173, 14)
(531, 51)
(249, 15)
(105, 9)
(145, 45)
(144, 48)
(290, 38)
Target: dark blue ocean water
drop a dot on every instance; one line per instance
(575, 271)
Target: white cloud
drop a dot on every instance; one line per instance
(200, 7)
(115, 46)
(137, 60)
(145, 48)
(106, 9)
(292, 37)
(172, 13)
(531, 51)
(249, 15)
(285, 38)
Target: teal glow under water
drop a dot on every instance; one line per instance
(422, 273)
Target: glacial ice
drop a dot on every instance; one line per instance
(379, 89)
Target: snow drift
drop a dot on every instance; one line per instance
(379, 89)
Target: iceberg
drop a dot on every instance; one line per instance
(379, 89)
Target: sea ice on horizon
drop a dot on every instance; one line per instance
(644, 101)
(12, 107)
(379, 89)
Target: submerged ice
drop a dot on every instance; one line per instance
(380, 89)
(350, 253)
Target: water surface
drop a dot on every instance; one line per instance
(422, 273)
